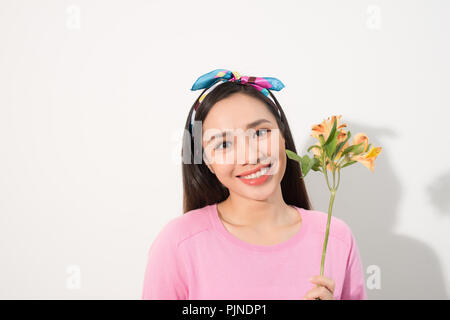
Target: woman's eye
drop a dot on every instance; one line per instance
(264, 132)
(220, 145)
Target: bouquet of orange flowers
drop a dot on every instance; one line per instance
(332, 152)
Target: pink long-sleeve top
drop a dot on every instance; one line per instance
(195, 257)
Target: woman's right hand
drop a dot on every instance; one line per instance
(323, 290)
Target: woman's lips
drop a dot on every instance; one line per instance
(254, 170)
(260, 180)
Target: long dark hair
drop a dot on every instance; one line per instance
(200, 186)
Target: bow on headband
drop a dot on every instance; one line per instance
(210, 79)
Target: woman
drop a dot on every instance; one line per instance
(248, 231)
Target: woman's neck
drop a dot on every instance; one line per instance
(259, 214)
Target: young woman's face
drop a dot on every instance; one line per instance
(254, 139)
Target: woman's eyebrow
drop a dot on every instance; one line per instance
(249, 125)
(255, 123)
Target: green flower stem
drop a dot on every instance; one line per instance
(339, 177)
(324, 166)
(326, 178)
(334, 180)
(330, 208)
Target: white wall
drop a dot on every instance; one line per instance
(94, 96)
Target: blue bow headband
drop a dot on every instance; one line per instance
(211, 79)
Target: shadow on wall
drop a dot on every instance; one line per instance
(368, 202)
(438, 192)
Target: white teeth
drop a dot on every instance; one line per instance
(257, 174)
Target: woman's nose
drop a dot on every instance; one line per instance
(252, 150)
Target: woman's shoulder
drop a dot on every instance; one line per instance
(317, 221)
(186, 225)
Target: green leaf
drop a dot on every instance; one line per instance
(349, 163)
(332, 133)
(359, 148)
(338, 148)
(354, 148)
(306, 165)
(311, 164)
(314, 146)
(316, 164)
(330, 147)
(330, 144)
(322, 139)
(340, 145)
(292, 155)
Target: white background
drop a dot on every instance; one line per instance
(93, 100)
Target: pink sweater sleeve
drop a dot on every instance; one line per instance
(354, 284)
(164, 278)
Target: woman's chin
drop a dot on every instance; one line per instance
(260, 192)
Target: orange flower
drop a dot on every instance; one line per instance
(340, 138)
(361, 137)
(368, 159)
(326, 126)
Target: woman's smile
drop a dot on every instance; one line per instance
(257, 178)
